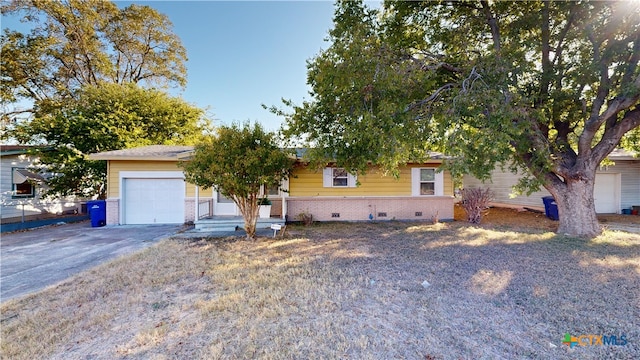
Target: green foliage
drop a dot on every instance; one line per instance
(103, 118)
(545, 87)
(76, 43)
(238, 162)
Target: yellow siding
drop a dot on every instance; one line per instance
(305, 182)
(115, 167)
(308, 182)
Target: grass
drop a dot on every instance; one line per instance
(361, 291)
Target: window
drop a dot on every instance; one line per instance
(23, 190)
(275, 189)
(223, 199)
(337, 177)
(426, 182)
(23, 183)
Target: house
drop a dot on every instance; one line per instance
(145, 185)
(617, 186)
(22, 189)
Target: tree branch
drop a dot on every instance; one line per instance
(611, 137)
(632, 62)
(493, 25)
(595, 120)
(431, 98)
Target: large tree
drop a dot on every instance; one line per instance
(103, 118)
(74, 43)
(547, 88)
(240, 162)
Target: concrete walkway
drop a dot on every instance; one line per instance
(32, 260)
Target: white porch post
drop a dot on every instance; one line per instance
(284, 206)
(197, 212)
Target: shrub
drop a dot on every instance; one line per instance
(306, 218)
(474, 202)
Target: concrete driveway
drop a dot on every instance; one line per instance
(32, 260)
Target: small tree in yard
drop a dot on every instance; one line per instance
(238, 162)
(474, 202)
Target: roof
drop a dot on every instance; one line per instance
(6, 150)
(151, 152)
(173, 153)
(622, 154)
(21, 175)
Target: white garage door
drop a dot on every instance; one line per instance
(153, 201)
(605, 194)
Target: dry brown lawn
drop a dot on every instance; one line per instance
(353, 291)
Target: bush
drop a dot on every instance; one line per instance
(474, 202)
(306, 218)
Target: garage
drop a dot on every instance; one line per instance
(153, 200)
(606, 193)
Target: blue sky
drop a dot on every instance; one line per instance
(245, 53)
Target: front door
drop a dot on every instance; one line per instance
(224, 206)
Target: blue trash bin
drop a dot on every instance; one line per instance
(550, 208)
(97, 212)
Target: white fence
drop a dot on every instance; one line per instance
(205, 208)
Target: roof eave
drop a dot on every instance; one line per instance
(132, 158)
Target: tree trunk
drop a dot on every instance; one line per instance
(250, 226)
(249, 210)
(576, 207)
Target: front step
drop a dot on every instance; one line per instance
(231, 223)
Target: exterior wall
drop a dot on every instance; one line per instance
(113, 211)
(376, 194)
(190, 210)
(359, 208)
(629, 171)
(13, 207)
(114, 167)
(502, 182)
(308, 182)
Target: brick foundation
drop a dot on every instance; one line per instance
(189, 210)
(113, 211)
(380, 208)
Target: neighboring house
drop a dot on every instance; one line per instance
(616, 187)
(21, 188)
(145, 185)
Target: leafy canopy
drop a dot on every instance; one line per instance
(238, 162)
(103, 118)
(74, 43)
(548, 87)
